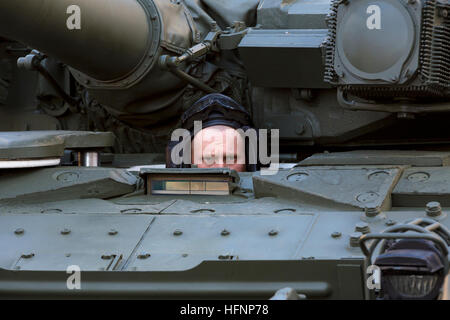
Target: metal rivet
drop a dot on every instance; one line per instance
(144, 256)
(177, 233)
(19, 231)
(184, 255)
(362, 227)
(113, 232)
(68, 255)
(354, 239)
(391, 223)
(273, 233)
(65, 232)
(336, 235)
(225, 232)
(27, 256)
(434, 209)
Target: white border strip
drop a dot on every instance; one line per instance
(21, 164)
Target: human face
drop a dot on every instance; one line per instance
(219, 147)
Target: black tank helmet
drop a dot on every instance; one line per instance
(213, 110)
(216, 109)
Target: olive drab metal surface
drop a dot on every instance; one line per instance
(354, 95)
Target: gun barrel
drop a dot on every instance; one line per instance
(107, 44)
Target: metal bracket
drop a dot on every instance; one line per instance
(232, 37)
(173, 63)
(113, 261)
(215, 41)
(33, 62)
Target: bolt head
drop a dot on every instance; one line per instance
(391, 223)
(336, 235)
(362, 227)
(177, 233)
(65, 231)
(144, 256)
(356, 235)
(113, 232)
(27, 256)
(19, 231)
(433, 205)
(354, 239)
(372, 211)
(434, 209)
(273, 233)
(225, 233)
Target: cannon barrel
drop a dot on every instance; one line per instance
(110, 43)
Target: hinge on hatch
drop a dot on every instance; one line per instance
(114, 261)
